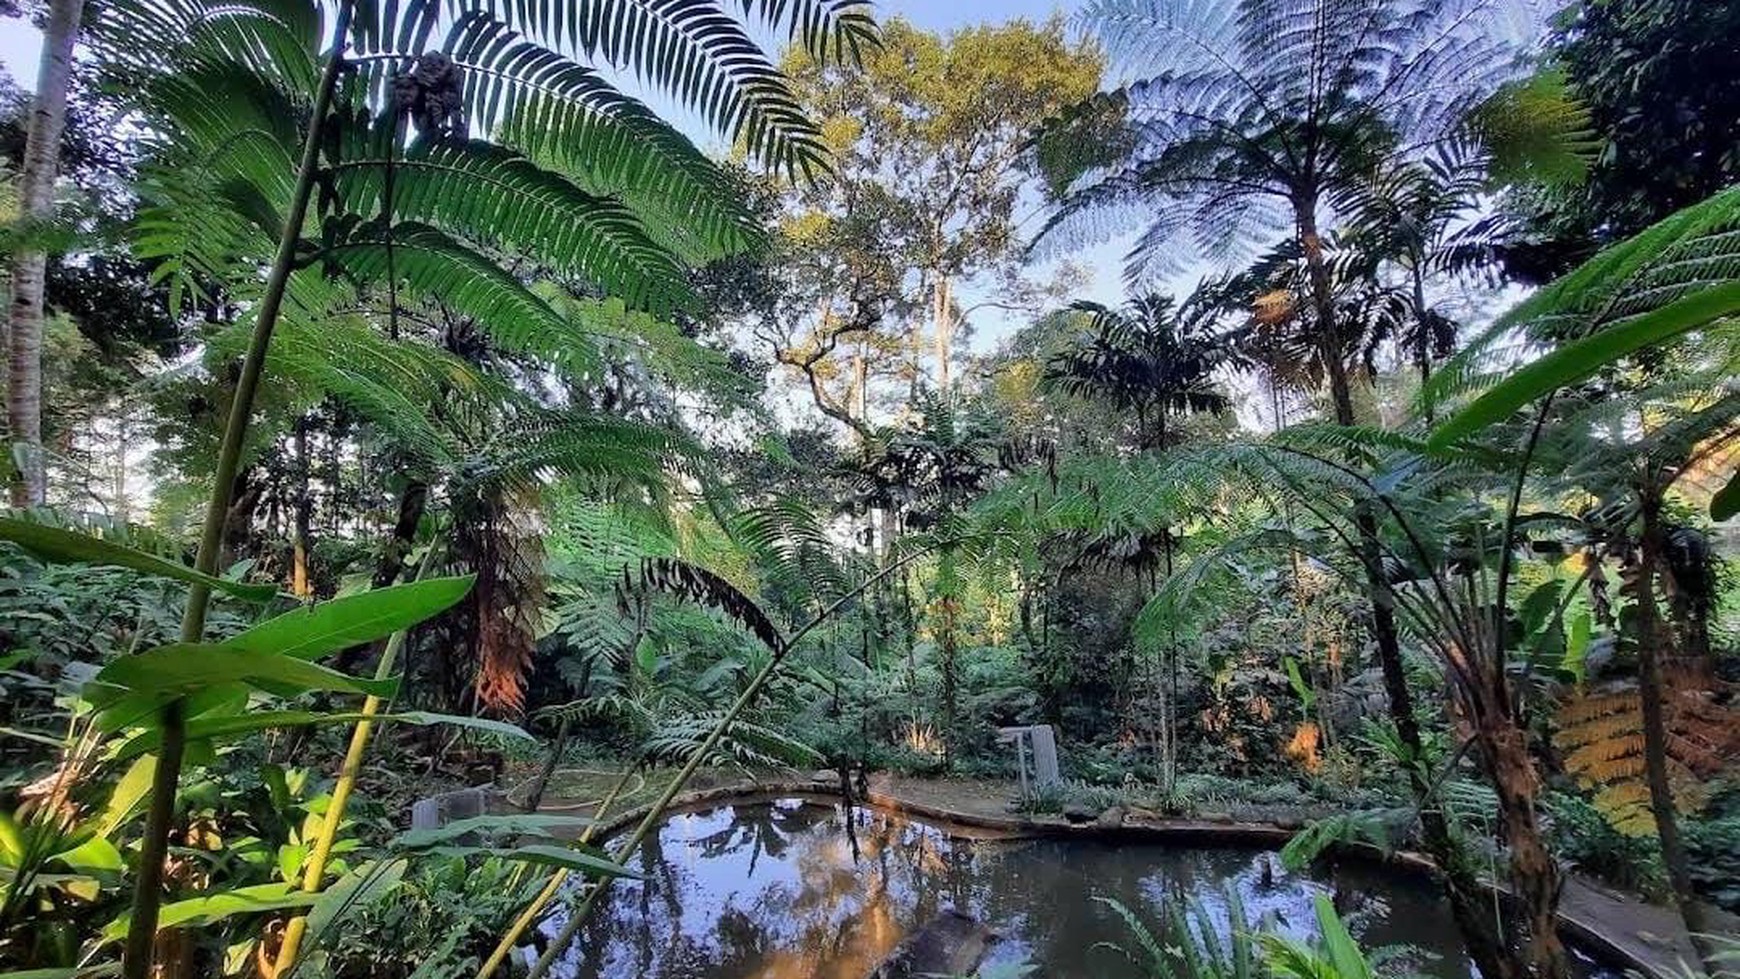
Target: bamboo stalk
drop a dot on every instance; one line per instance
(154, 848)
(551, 887)
(315, 870)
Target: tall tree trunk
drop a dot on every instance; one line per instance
(136, 959)
(304, 512)
(1489, 949)
(1651, 639)
(35, 205)
(1423, 342)
(1534, 875)
(942, 307)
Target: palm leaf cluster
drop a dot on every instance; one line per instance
(1240, 117)
(1157, 358)
(536, 156)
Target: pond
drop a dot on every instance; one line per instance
(773, 890)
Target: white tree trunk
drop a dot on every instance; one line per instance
(943, 302)
(35, 205)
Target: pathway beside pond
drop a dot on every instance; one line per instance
(1597, 916)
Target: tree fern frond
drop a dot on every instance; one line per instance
(433, 265)
(705, 58)
(744, 743)
(491, 195)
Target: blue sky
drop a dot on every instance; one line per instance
(20, 46)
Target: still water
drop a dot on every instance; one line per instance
(774, 891)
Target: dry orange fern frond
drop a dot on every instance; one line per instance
(1600, 736)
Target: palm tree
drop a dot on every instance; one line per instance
(925, 474)
(1245, 119)
(35, 204)
(1157, 358)
(260, 106)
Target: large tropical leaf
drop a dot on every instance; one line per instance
(67, 547)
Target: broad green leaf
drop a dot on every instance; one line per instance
(124, 801)
(122, 709)
(215, 907)
(235, 725)
(290, 857)
(1579, 359)
(180, 669)
(1541, 603)
(81, 972)
(1344, 953)
(316, 630)
(543, 854)
(518, 824)
(1577, 644)
(361, 887)
(94, 854)
(66, 547)
(1307, 696)
(1726, 503)
(12, 843)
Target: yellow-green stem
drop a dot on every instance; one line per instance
(315, 869)
(512, 937)
(154, 846)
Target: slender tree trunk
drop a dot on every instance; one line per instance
(29, 268)
(1489, 949)
(1423, 342)
(942, 303)
(536, 797)
(299, 542)
(1652, 692)
(136, 960)
(1534, 875)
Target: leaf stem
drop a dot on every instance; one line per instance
(315, 870)
(154, 848)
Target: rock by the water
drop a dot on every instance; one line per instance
(1112, 818)
(950, 944)
(1079, 814)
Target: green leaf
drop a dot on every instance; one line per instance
(124, 801)
(1344, 953)
(180, 669)
(66, 547)
(518, 824)
(233, 725)
(316, 630)
(93, 855)
(361, 887)
(1579, 359)
(543, 854)
(1307, 696)
(216, 906)
(1541, 604)
(1726, 503)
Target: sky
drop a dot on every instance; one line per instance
(20, 47)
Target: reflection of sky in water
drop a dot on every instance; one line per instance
(773, 892)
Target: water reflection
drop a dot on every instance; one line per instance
(772, 891)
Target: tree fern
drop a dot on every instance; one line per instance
(1600, 735)
(1243, 117)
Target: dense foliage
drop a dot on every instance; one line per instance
(423, 410)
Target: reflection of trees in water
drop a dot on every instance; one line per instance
(777, 894)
